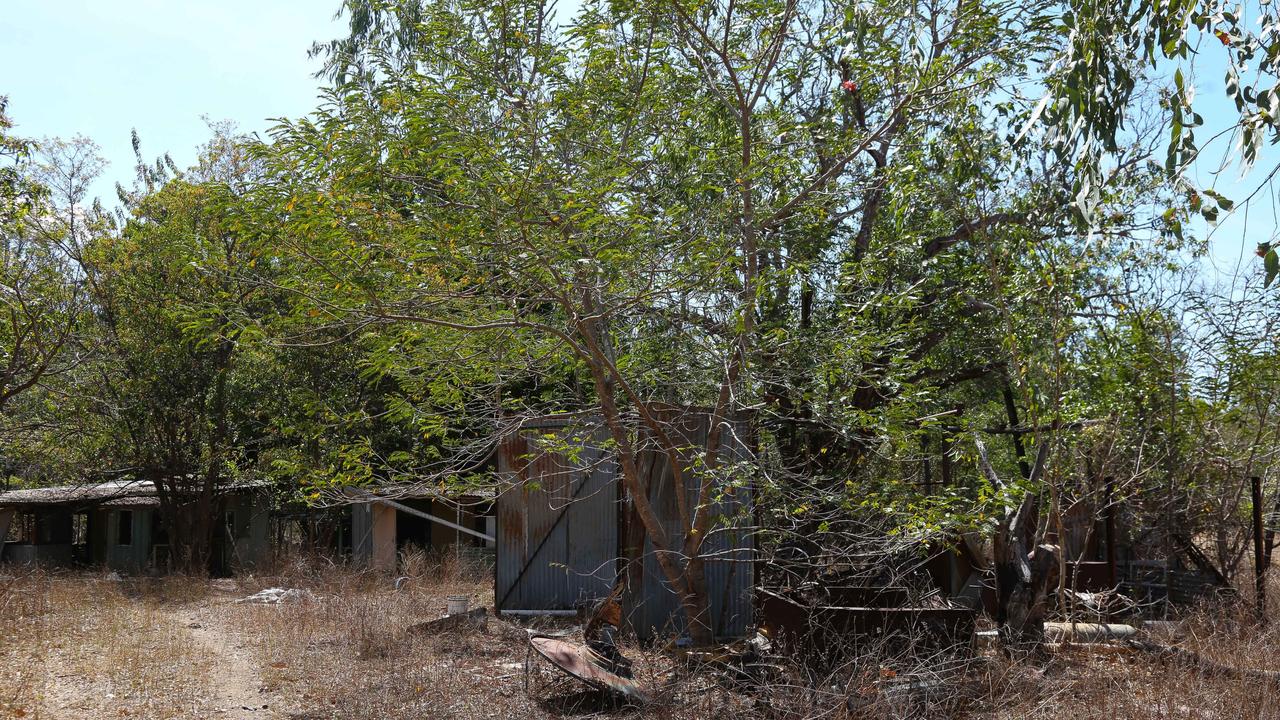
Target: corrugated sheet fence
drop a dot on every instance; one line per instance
(729, 547)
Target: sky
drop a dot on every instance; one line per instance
(100, 68)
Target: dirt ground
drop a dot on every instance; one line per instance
(92, 645)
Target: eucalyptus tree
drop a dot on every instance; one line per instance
(1091, 93)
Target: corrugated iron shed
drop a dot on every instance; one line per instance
(563, 518)
(729, 548)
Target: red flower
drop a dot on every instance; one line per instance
(849, 86)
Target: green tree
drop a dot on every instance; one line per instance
(177, 366)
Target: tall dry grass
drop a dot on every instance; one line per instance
(82, 646)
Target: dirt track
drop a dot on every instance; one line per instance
(234, 684)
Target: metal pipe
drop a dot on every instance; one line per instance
(540, 613)
(428, 516)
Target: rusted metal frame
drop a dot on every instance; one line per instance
(822, 628)
(1199, 559)
(1109, 528)
(586, 478)
(1259, 554)
(428, 516)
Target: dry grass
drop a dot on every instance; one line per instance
(82, 646)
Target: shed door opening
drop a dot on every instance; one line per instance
(124, 527)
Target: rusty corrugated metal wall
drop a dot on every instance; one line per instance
(561, 524)
(728, 549)
(557, 518)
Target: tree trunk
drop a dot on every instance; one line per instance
(697, 602)
(689, 580)
(190, 526)
(1023, 584)
(1023, 576)
(691, 587)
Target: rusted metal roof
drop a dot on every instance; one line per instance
(117, 493)
(147, 501)
(420, 492)
(74, 494)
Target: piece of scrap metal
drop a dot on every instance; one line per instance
(471, 620)
(582, 663)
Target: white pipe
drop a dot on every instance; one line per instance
(414, 511)
(541, 613)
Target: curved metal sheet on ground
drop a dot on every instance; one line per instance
(576, 660)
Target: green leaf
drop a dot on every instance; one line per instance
(1223, 202)
(1271, 262)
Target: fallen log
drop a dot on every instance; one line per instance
(1087, 631)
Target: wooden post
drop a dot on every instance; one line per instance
(1259, 565)
(1269, 537)
(384, 537)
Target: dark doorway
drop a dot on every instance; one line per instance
(413, 528)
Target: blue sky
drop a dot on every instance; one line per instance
(101, 67)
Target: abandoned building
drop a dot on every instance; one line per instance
(118, 525)
(559, 526)
(382, 526)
